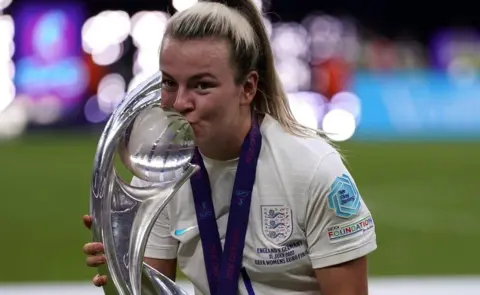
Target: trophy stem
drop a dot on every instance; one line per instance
(147, 214)
(114, 268)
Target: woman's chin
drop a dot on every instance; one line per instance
(199, 134)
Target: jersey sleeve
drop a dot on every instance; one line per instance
(339, 226)
(160, 244)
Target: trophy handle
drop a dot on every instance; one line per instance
(148, 211)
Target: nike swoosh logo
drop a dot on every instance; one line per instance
(179, 232)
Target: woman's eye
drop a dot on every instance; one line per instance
(167, 83)
(204, 85)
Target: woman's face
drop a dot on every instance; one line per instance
(198, 80)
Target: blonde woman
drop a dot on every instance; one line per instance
(273, 209)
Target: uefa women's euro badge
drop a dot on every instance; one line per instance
(156, 144)
(344, 197)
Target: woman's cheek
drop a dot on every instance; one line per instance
(168, 99)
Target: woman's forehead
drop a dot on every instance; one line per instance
(193, 56)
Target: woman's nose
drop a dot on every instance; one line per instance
(183, 102)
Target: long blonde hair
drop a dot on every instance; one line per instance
(241, 23)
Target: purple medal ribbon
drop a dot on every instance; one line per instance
(223, 267)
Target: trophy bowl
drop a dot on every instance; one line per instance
(158, 145)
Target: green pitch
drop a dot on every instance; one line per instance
(424, 198)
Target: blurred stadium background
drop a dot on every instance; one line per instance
(395, 82)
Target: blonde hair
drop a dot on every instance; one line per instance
(240, 22)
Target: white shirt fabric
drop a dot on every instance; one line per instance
(305, 214)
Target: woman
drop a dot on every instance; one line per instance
(273, 192)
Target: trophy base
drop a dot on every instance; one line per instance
(153, 283)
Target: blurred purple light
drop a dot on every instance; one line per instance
(49, 57)
(93, 113)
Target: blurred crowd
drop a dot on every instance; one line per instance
(61, 66)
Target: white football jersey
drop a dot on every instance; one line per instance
(306, 213)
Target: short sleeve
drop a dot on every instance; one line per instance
(339, 226)
(160, 244)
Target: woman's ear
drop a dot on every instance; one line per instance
(249, 88)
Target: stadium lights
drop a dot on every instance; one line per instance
(4, 4)
(290, 47)
(339, 125)
(7, 68)
(103, 34)
(301, 105)
(147, 33)
(13, 120)
(180, 5)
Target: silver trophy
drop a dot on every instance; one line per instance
(156, 144)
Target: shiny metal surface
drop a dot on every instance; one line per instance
(156, 144)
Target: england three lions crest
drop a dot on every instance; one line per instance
(277, 223)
